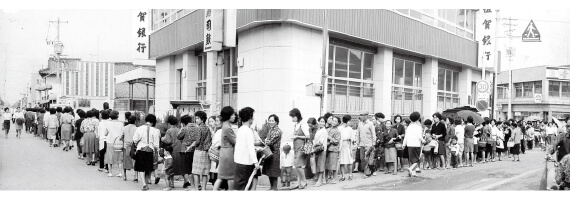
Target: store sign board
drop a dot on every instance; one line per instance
(486, 24)
(140, 32)
(213, 33)
(537, 98)
(558, 73)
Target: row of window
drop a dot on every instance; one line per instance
(528, 89)
(72, 78)
(458, 21)
(558, 89)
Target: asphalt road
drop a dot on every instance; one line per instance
(29, 163)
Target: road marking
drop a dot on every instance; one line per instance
(508, 180)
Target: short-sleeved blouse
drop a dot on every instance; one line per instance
(89, 125)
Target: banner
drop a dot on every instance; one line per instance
(486, 37)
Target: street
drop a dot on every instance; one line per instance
(29, 158)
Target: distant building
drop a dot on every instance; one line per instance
(542, 91)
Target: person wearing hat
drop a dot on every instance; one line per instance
(366, 138)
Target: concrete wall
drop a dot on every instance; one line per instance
(165, 84)
(279, 61)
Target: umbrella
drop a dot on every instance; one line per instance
(477, 119)
(533, 118)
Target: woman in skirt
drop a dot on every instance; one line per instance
(147, 140)
(201, 161)
(301, 134)
(7, 118)
(345, 157)
(228, 140)
(517, 135)
(129, 133)
(186, 149)
(333, 149)
(216, 142)
(78, 133)
(89, 128)
(273, 140)
(66, 127)
(500, 140)
(19, 116)
(413, 141)
(40, 125)
(115, 135)
(320, 157)
(390, 153)
(51, 125)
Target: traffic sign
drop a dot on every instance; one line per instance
(531, 33)
(481, 105)
(482, 86)
(482, 96)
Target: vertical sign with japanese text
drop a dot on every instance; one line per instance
(486, 37)
(140, 32)
(213, 34)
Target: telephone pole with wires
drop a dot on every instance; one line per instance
(511, 24)
(58, 50)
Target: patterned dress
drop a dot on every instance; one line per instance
(203, 138)
(273, 140)
(89, 129)
(333, 149)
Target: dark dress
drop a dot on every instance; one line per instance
(186, 158)
(440, 130)
(271, 166)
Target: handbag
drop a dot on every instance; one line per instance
(511, 142)
(307, 148)
(399, 146)
(214, 154)
(133, 152)
(118, 145)
(318, 148)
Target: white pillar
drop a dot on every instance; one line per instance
(429, 87)
(382, 75)
(465, 86)
(212, 82)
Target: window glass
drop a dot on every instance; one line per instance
(398, 72)
(518, 90)
(527, 87)
(355, 66)
(565, 89)
(461, 17)
(554, 89)
(455, 82)
(538, 87)
(368, 61)
(227, 67)
(448, 74)
(331, 56)
(418, 75)
(341, 61)
(409, 73)
(441, 79)
(234, 61)
(403, 11)
(199, 67)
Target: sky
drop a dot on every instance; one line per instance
(104, 35)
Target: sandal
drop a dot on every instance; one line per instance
(318, 185)
(120, 175)
(302, 186)
(167, 189)
(341, 179)
(110, 175)
(394, 173)
(350, 178)
(145, 188)
(136, 180)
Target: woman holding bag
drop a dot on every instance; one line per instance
(500, 139)
(273, 140)
(517, 137)
(147, 140)
(333, 148)
(320, 148)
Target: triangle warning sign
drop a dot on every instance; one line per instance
(531, 33)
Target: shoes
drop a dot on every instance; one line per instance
(167, 189)
(120, 175)
(109, 175)
(303, 186)
(350, 178)
(341, 179)
(136, 180)
(318, 185)
(156, 180)
(186, 185)
(145, 188)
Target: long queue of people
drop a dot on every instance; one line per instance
(227, 149)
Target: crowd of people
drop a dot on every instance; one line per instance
(230, 152)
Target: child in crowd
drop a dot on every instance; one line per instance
(435, 148)
(286, 165)
(168, 169)
(425, 157)
(454, 147)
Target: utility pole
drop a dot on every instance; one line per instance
(324, 62)
(494, 86)
(58, 50)
(510, 54)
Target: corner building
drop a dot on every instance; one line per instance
(389, 61)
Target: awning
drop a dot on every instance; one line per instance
(43, 87)
(140, 75)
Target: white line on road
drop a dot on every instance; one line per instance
(487, 187)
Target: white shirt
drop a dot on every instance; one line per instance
(18, 115)
(217, 138)
(7, 116)
(141, 139)
(413, 136)
(321, 137)
(551, 130)
(102, 133)
(287, 160)
(460, 133)
(494, 132)
(244, 153)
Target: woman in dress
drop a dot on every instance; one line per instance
(129, 133)
(89, 129)
(333, 149)
(147, 139)
(320, 157)
(228, 139)
(301, 134)
(500, 139)
(345, 154)
(390, 153)
(114, 136)
(215, 124)
(203, 141)
(78, 133)
(66, 127)
(273, 140)
(170, 139)
(19, 117)
(413, 140)
(51, 125)
(186, 151)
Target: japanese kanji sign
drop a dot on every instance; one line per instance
(213, 35)
(531, 33)
(486, 37)
(140, 34)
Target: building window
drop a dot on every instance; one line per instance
(350, 85)
(538, 87)
(87, 79)
(502, 91)
(565, 89)
(97, 80)
(76, 83)
(201, 85)
(230, 78)
(554, 88)
(447, 95)
(106, 80)
(528, 90)
(473, 96)
(518, 90)
(407, 94)
(67, 83)
(179, 83)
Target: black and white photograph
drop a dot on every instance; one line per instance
(138, 98)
